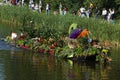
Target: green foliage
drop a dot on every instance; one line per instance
(20, 42)
(78, 51)
(56, 26)
(64, 52)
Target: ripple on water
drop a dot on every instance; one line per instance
(2, 71)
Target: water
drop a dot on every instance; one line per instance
(25, 65)
(19, 64)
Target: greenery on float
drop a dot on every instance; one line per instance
(61, 50)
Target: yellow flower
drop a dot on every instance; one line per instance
(104, 50)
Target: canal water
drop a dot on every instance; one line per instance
(19, 64)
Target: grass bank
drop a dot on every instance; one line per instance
(58, 25)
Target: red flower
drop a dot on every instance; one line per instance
(52, 46)
(42, 50)
(51, 52)
(25, 47)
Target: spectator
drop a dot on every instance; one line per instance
(82, 11)
(60, 8)
(64, 11)
(30, 3)
(110, 15)
(89, 13)
(36, 7)
(32, 6)
(22, 2)
(91, 6)
(47, 8)
(40, 6)
(19, 3)
(78, 13)
(13, 2)
(104, 13)
(73, 12)
(5, 1)
(97, 11)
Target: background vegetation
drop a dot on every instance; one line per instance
(57, 25)
(76, 4)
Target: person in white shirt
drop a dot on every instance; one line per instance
(110, 15)
(104, 13)
(36, 7)
(83, 12)
(30, 3)
(47, 8)
(22, 2)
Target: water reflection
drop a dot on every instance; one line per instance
(26, 65)
(87, 71)
(1, 69)
(40, 66)
(17, 64)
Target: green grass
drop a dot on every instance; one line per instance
(58, 25)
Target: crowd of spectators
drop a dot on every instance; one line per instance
(91, 11)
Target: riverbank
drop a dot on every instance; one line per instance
(57, 25)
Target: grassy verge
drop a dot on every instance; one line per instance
(58, 25)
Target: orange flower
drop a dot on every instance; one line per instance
(84, 33)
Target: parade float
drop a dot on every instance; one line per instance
(77, 46)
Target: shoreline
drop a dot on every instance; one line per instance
(15, 23)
